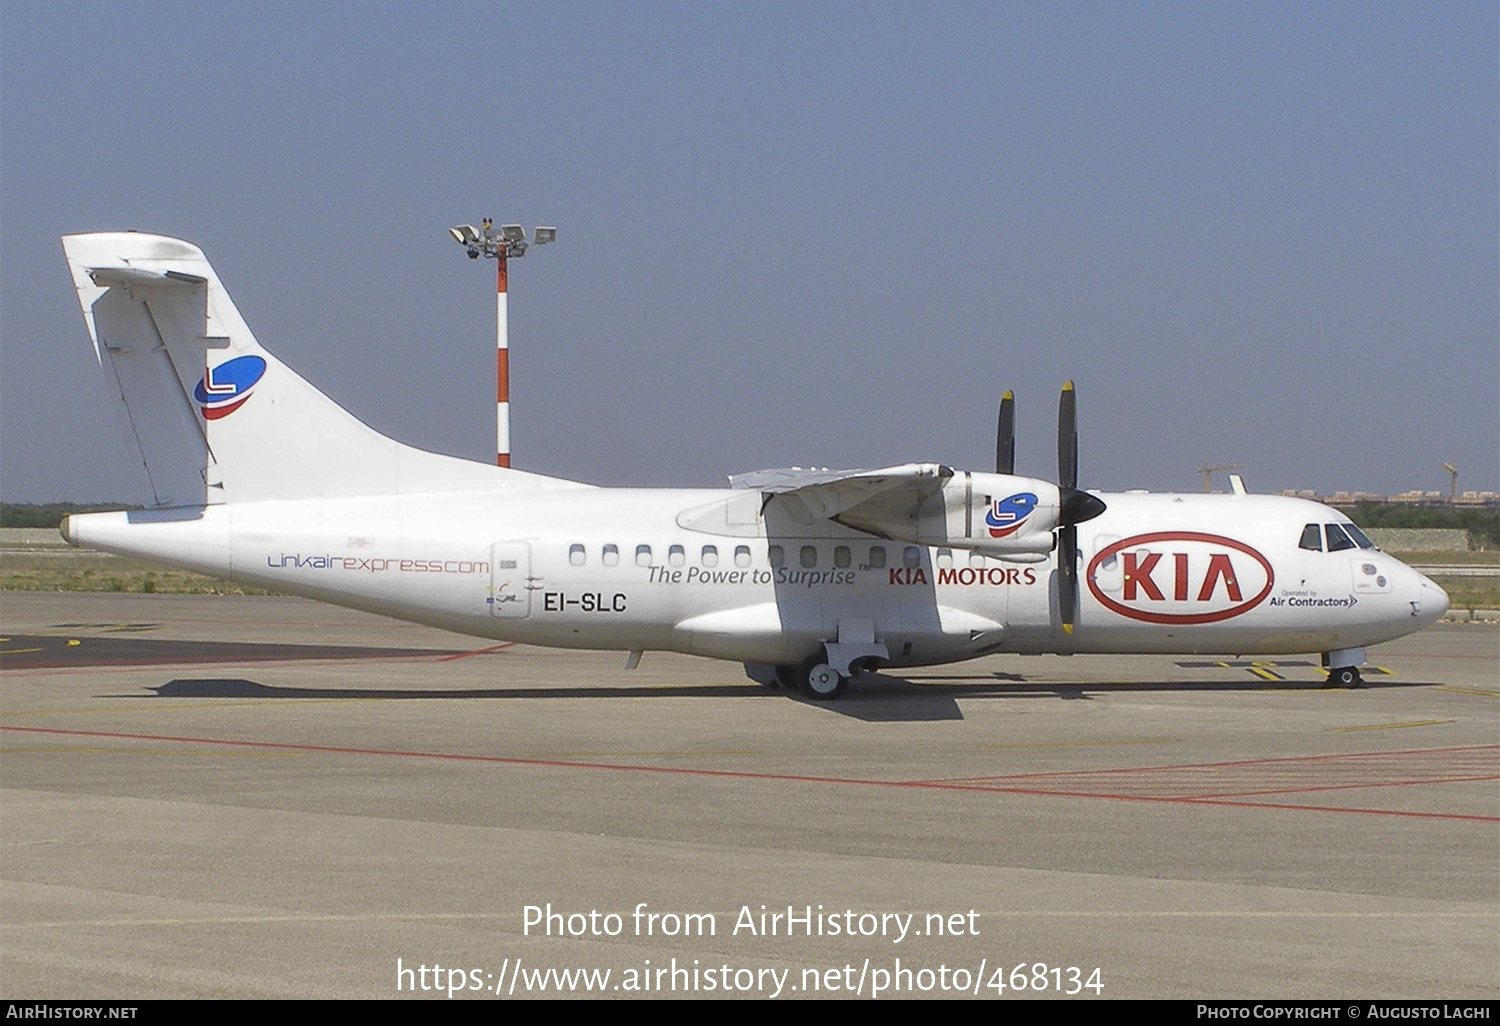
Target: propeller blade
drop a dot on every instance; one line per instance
(1067, 569)
(1074, 507)
(1067, 439)
(1005, 435)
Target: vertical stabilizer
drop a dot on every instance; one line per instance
(213, 416)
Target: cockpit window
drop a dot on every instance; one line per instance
(1312, 538)
(1360, 538)
(1338, 541)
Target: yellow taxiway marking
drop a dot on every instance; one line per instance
(1468, 691)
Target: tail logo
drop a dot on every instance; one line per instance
(1008, 515)
(225, 388)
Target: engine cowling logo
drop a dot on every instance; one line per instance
(1008, 515)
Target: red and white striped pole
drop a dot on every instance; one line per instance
(502, 368)
(509, 242)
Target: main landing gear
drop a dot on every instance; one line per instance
(814, 677)
(824, 675)
(819, 681)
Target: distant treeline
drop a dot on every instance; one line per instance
(1483, 525)
(50, 514)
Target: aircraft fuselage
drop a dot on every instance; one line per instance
(701, 572)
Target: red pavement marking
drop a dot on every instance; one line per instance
(935, 785)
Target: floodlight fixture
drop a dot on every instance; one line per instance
(512, 233)
(545, 235)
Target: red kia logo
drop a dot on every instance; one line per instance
(1180, 577)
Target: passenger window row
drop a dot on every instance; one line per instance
(609, 555)
(808, 556)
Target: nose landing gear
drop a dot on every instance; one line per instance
(1345, 677)
(1343, 666)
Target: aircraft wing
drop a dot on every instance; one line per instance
(892, 493)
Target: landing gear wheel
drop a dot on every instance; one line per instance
(821, 682)
(1344, 677)
(786, 678)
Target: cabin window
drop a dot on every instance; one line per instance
(945, 559)
(911, 557)
(841, 556)
(808, 556)
(1338, 541)
(575, 555)
(643, 555)
(976, 560)
(877, 557)
(777, 555)
(1312, 539)
(742, 555)
(611, 555)
(710, 555)
(675, 555)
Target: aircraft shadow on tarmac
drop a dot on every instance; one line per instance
(877, 698)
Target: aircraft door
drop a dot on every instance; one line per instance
(511, 583)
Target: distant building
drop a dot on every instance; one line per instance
(1468, 500)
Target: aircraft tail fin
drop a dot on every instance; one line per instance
(213, 416)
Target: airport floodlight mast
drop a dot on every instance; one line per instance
(500, 246)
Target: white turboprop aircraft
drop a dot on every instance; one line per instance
(807, 577)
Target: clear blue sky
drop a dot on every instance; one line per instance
(799, 233)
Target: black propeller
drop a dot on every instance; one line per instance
(1074, 506)
(1005, 435)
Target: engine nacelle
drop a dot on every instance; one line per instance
(993, 514)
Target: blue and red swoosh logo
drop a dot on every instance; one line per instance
(225, 388)
(1008, 515)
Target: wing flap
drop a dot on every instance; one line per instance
(829, 494)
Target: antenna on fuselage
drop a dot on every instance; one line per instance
(1208, 473)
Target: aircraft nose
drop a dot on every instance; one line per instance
(1430, 602)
